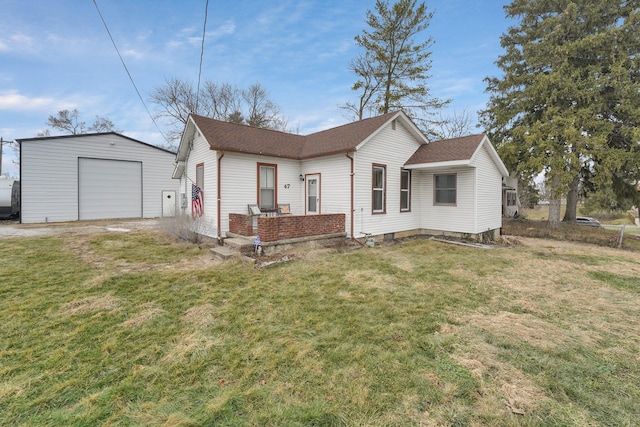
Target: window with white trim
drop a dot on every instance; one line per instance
(267, 186)
(444, 189)
(200, 175)
(405, 190)
(378, 185)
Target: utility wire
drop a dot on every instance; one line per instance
(204, 31)
(128, 73)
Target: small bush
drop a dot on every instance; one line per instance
(183, 228)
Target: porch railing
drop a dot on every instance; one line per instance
(274, 228)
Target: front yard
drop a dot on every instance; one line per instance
(135, 329)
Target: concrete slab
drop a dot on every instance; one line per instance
(222, 252)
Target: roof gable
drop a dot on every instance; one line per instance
(446, 150)
(455, 152)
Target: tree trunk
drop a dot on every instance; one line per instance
(572, 200)
(554, 203)
(554, 211)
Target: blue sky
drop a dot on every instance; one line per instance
(57, 55)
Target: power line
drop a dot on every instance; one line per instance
(204, 31)
(127, 70)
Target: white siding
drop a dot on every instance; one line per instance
(49, 173)
(240, 184)
(201, 153)
(459, 218)
(489, 192)
(335, 184)
(391, 148)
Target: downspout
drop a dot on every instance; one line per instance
(220, 156)
(352, 176)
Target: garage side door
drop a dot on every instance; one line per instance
(109, 189)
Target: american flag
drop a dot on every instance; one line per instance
(196, 201)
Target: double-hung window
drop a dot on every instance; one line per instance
(267, 186)
(378, 184)
(200, 175)
(405, 190)
(445, 189)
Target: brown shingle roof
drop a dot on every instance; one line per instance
(446, 150)
(245, 139)
(226, 136)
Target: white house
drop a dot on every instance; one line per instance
(95, 176)
(381, 173)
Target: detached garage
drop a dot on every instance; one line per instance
(95, 176)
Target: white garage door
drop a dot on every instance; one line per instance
(109, 189)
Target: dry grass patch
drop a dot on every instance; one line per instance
(189, 346)
(200, 316)
(149, 311)
(371, 279)
(90, 304)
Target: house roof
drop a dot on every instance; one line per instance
(226, 136)
(454, 152)
(447, 150)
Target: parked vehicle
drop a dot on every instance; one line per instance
(585, 220)
(9, 197)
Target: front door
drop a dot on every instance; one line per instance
(313, 194)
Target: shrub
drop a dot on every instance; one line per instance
(183, 228)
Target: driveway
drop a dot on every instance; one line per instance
(13, 229)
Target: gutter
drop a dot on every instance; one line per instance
(219, 225)
(352, 177)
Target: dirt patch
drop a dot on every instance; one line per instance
(13, 229)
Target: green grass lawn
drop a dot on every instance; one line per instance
(135, 329)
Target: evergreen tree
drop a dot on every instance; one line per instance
(392, 72)
(568, 103)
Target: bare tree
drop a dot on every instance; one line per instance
(221, 101)
(102, 124)
(261, 111)
(453, 126)
(252, 106)
(176, 99)
(368, 84)
(69, 121)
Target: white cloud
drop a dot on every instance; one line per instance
(229, 27)
(12, 100)
(132, 53)
(16, 42)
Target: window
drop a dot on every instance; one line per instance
(267, 186)
(200, 175)
(378, 189)
(405, 190)
(445, 189)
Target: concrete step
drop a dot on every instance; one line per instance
(239, 244)
(223, 252)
